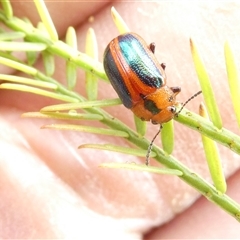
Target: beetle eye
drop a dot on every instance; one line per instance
(171, 109)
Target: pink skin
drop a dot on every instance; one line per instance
(50, 189)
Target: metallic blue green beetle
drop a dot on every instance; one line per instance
(139, 79)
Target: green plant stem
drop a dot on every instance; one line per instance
(223, 136)
(197, 123)
(86, 63)
(206, 189)
(188, 176)
(56, 47)
(205, 127)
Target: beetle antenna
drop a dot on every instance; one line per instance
(193, 96)
(151, 145)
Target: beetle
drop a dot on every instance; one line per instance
(139, 79)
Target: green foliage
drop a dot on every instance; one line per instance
(44, 40)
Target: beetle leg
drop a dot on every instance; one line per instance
(152, 47)
(163, 65)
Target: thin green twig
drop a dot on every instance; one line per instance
(194, 121)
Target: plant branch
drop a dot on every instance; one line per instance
(88, 64)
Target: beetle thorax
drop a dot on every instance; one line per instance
(158, 107)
